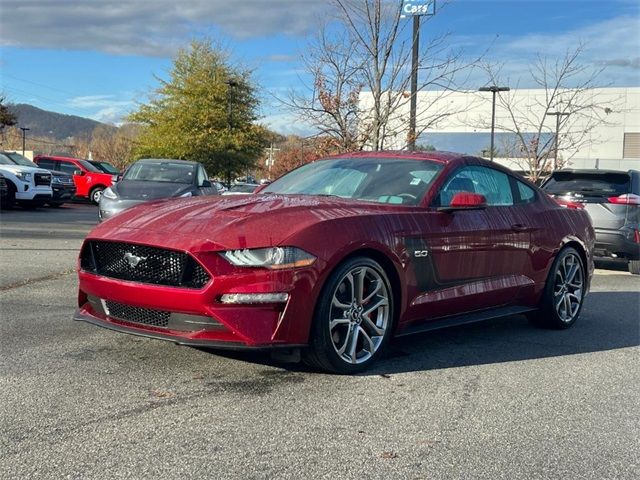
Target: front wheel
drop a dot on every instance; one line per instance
(564, 292)
(353, 318)
(95, 195)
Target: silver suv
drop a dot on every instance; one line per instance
(612, 199)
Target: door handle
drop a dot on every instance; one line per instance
(519, 227)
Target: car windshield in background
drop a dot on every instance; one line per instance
(595, 184)
(20, 160)
(243, 188)
(89, 167)
(4, 160)
(382, 180)
(168, 172)
(106, 167)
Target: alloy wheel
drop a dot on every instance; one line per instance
(359, 314)
(568, 291)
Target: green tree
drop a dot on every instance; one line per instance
(188, 116)
(7, 117)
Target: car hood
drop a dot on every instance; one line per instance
(137, 190)
(21, 168)
(229, 222)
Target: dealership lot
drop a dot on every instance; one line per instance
(494, 400)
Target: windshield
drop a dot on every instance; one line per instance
(88, 166)
(381, 180)
(169, 172)
(106, 167)
(243, 188)
(4, 160)
(20, 160)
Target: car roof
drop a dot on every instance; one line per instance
(438, 156)
(59, 157)
(594, 171)
(176, 160)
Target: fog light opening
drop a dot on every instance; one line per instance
(244, 298)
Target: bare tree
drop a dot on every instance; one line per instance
(568, 92)
(361, 77)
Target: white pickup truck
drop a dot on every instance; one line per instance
(28, 186)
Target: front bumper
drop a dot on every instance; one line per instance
(27, 193)
(616, 244)
(234, 325)
(62, 193)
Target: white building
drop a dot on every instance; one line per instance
(614, 144)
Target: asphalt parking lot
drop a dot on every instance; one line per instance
(494, 400)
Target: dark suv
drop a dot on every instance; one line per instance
(612, 199)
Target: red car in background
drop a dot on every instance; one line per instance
(89, 180)
(338, 256)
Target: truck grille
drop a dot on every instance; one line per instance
(139, 263)
(42, 179)
(145, 316)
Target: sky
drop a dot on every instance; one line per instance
(101, 58)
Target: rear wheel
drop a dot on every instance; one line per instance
(95, 195)
(564, 292)
(634, 267)
(353, 318)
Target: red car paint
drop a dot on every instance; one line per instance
(478, 259)
(86, 182)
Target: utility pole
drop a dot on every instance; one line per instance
(231, 84)
(558, 115)
(24, 138)
(415, 9)
(493, 89)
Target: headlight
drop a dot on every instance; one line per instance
(25, 177)
(274, 257)
(110, 194)
(186, 194)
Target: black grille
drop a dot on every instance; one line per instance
(146, 316)
(139, 263)
(42, 179)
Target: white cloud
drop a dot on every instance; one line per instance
(147, 27)
(287, 124)
(103, 108)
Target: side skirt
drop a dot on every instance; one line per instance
(457, 320)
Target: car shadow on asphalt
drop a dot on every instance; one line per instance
(609, 321)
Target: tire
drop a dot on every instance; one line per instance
(95, 194)
(10, 200)
(564, 292)
(634, 267)
(345, 335)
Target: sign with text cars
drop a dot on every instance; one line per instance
(412, 8)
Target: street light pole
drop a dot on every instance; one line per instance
(558, 115)
(422, 8)
(230, 85)
(493, 89)
(24, 130)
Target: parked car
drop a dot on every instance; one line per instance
(612, 199)
(105, 167)
(219, 186)
(240, 188)
(62, 185)
(90, 181)
(339, 255)
(153, 179)
(27, 186)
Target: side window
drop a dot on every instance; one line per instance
(202, 175)
(67, 167)
(526, 193)
(494, 185)
(47, 163)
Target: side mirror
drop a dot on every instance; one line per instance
(465, 201)
(206, 184)
(77, 171)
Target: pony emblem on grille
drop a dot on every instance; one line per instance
(133, 260)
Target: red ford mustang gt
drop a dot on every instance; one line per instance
(338, 256)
